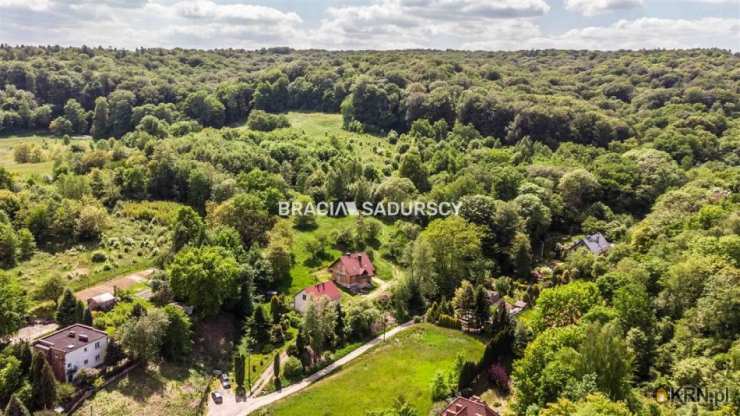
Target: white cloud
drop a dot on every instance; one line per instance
(648, 32)
(594, 7)
(393, 24)
(149, 23)
(378, 24)
(642, 33)
(248, 13)
(25, 4)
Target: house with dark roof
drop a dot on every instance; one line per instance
(353, 271)
(73, 348)
(472, 406)
(313, 293)
(595, 243)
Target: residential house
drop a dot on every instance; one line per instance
(472, 406)
(595, 243)
(516, 308)
(313, 293)
(73, 348)
(353, 271)
(102, 302)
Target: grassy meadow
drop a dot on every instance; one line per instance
(406, 365)
(128, 245)
(50, 147)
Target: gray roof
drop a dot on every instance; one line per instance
(596, 243)
(104, 297)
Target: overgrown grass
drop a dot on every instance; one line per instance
(164, 390)
(322, 125)
(50, 146)
(128, 246)
(404, 365)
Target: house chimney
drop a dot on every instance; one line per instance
(71, 334)
(83, 338)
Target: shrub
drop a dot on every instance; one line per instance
(293, 369)
(262, 121)
(447, 321)
(86, 377)
(99, 257)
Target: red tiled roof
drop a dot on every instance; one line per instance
(473, 406)
(357, 264)
(328, 289)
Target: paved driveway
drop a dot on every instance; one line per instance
(31, 332)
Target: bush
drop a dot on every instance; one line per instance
(86, 377)
(447, 321)
(99, 257)
(293, 369)
(262, 121)
(43, 310)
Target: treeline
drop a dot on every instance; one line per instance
(592, 98)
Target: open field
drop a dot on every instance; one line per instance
(405, 365)
(367, 146)
(50, 146)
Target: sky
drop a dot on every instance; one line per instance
(374, 24)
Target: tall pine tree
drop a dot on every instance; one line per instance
(68, 309)
(339, 327)
(43, 384)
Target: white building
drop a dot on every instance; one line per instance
(73, 348)
(312, 293)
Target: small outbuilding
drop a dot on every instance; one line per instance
(595, 243)
(102, 302)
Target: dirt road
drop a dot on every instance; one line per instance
(123, 282)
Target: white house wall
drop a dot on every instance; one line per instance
(94, 356)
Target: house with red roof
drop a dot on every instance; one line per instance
(313, 293)
(353, 271)
(472, 406)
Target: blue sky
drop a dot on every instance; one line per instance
(375, 24)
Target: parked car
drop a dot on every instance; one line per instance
(226, 384)
(218, 398)
(224, 376)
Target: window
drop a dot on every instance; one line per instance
(97, 357)
(97, 345)
(85, 362)
(69, 365)
(85, 349)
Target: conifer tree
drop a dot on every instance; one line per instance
(43, 384)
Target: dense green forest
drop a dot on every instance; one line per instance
(540, 147)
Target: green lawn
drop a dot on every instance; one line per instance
(50, 146)
(322, 125)
(404, 365)
(306, 272)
